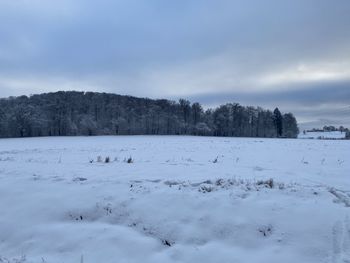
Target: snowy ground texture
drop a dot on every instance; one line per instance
(178, 199)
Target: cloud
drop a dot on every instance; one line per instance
(303, 73)
(310, 95)
(84, 37)
(264, 52)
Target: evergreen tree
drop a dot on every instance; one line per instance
(278, 120)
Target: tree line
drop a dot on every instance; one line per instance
(89, 113)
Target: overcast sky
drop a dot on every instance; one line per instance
(294, 54)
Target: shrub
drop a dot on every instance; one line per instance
(129, 160)
(267, 183)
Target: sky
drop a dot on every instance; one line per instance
(291, 54)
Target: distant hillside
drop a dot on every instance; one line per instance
(325, 135)
(89, 113)
(327, 132)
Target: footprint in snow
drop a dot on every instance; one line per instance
(341, 242)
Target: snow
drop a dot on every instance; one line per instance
(322, 135)
(174, 202)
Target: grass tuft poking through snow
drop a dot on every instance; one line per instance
(129, 160)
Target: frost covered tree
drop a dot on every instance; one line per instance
(290, 127)
(89, 113)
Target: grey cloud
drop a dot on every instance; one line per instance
(118, 36)
(306, 94)
(92, 40)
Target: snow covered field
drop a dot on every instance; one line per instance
(179, 199)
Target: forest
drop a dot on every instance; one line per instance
(90, 113)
